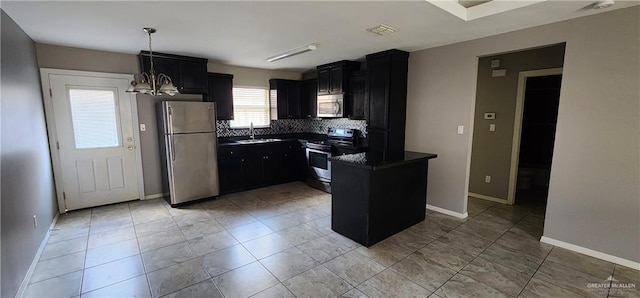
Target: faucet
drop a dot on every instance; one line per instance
(252, 136)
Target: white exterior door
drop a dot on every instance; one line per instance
(95, 140)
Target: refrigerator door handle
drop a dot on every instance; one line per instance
(211, 119)
(169, 112)
(172, 149)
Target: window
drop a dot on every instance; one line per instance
(94, 118)
(250, 104)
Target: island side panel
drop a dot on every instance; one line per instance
(398, 199)
(350, 192)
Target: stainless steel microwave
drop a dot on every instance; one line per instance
(331, 106)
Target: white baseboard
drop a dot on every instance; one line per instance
(488, 198)
(32, 267)
(591, 252)
(154, 196)
(448, 212)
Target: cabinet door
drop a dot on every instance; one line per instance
(230, 174)
(324, 84)
(193, 77)
(165, 66)
(336, 78)
(293, 162)
(378, 69)
(308, 98)
(251, 171)
(272, 168)
(358, 96)
(293, 99)
(221, 92)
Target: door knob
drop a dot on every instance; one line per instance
(131, 147)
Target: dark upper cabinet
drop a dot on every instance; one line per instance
(309, 98)
(333, 78)
(189, 74)
(220, 91)
(285, 99)
(387, 92)
(358, 99)
(324, 76)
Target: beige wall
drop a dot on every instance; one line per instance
(594, 194)
(255, 77)
(491, 151)
(52, 56)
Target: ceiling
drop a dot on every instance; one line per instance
(245, 33)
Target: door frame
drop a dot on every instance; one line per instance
(517, 125)
(45, 73)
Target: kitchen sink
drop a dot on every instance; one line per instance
(254, 141)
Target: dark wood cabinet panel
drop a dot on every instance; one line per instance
(230, 167)
(324, 77)
(333, 78)
(220, 91)
(378, 91)
(358, 91)
(336, 80)
(285, 94)
(189, 74)
(247, 167)
(309, 98)
(387, 93)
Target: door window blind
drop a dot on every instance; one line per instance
(250, 104)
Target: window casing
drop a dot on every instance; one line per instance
(250, 104)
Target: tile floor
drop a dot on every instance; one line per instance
(277, 242)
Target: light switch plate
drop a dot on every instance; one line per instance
(499, 73)
(143, 127)
(492, 127)
(460, 129)
(490, 116)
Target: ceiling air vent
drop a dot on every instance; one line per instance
(382, 29)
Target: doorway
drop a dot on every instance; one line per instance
(92, 136)
(534, 136)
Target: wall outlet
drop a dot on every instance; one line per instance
(487, 179)
(35, 221)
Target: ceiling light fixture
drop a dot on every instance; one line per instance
(603, 4)
(152, 84)
(382, 29)
(293, 52)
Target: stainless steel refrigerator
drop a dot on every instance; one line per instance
(188, 147)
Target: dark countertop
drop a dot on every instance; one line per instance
(302, 137)
(362, 160)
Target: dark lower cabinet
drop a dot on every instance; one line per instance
(258, 165)
(372, 201)
(230, 170)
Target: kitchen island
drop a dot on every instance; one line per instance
(373, 199)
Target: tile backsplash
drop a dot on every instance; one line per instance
(292, 126)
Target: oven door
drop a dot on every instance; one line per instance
(330, 105)
(319, 164)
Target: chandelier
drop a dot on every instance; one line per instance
(152, 83)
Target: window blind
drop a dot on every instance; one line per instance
(250, 104)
